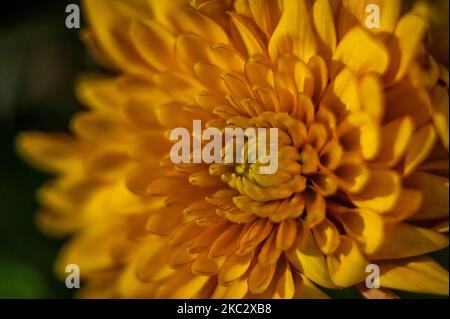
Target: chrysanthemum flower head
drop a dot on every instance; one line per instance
(362, 116)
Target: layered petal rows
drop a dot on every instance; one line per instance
(363, 145)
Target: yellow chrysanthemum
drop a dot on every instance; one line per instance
(363, 151)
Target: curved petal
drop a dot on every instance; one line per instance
(347, 265)
(422, 275)
(110, 30)
(381, 191)
(440, 107)
(370, 57)
(51, 153)
(404, 240)
(309, 260)
(294, 33)
(434, 191)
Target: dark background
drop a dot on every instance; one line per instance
(39, 61)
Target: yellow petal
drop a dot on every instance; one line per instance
(342, 95)
(319, 69)
(306, 289)
(390, 11)
(347, 265)
(258, 73)
(182, 87)
(381, 191)
(419, 148)
(226, 242)
(204, 179)
(166, 185)
(99, 92)
(369, 140)
(152, 264)
(325, 184)
(90, 257)
(150, 147)
(372, 97)
(326, 236)
(211, 77)
(441, 227)
(309, 259)
(254, 234)
(269, 253)
(204, 266)
(299, 72)
(422, 275)
(141, 116)
(185, 233)
(266, 14)
(96, 126)
(52, 153)
(434, 191)
(294, 34)
(159, 224)
(227, 58)
(403, 99)
(110, 31)
(324, 23)
(190, 21)
(165, 116)
(409, 34)
(122, 200)
(252, 41)
(237, 290)
(139, 179)
(366, 227)
(180, 257)
(260, 278)
(315, 208)
(407, 205)
(166, 13)
(183, 284)
(237, 84)
(404, 240)
(286, 233)
(371, 55)
(439, 97)
(439, 167)
(204, 240)
(285, 90)
(354, 12)
(109, 164)
(129, 285)
(352, 174)
(191, 49)
(92, 46)
(351, 13)
(234, 267)
(395, 137)
(146, 35)
(285, 286)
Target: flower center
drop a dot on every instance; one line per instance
(276, 196)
